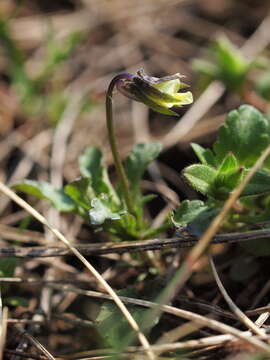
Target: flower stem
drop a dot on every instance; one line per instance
(113, 144)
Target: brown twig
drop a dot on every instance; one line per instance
(185, 241)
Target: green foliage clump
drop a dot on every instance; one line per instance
(93, 197)
(226, 63)
(240, 142)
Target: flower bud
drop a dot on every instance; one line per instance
(159, 94)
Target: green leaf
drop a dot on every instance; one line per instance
(205, 156)
(101, 212)
(199, 225)
(8, 266)
(231, 63)
(245, 134)
(205, 67)
(201, 177)
(262, 85)
(228, 164)
(90, 163)
(227, 182)
(228, 177)
(136, 163)
(80, 192)
(7, 269)
(187, 212)
(259, 184)
(44, 190)
(113, 327)
(226, 64)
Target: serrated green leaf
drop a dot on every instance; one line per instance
(188, 211)
(259, 184)
(44, 190)
(101, 212)
(201, 177)
(226, 182)
(245, 134)
(205, 156)
(138, 160)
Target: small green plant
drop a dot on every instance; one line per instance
(227, 64)
(117, 210)
(241, 140)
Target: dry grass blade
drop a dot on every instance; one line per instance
(262, 318)
(8, 192)
(3, 327)
(178, 333)
(234, 308)
(25, 236)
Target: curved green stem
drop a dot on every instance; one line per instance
(113, 144)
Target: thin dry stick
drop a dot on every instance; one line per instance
(262, 318)
(177, 333)
(265, 315)
(234, 308)
(22, 235)
(18, 354)
(213, 340)
(183, 241)
(34, 341)
(3, 328)
(4, 331)
(196, 318)
(8, 192)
